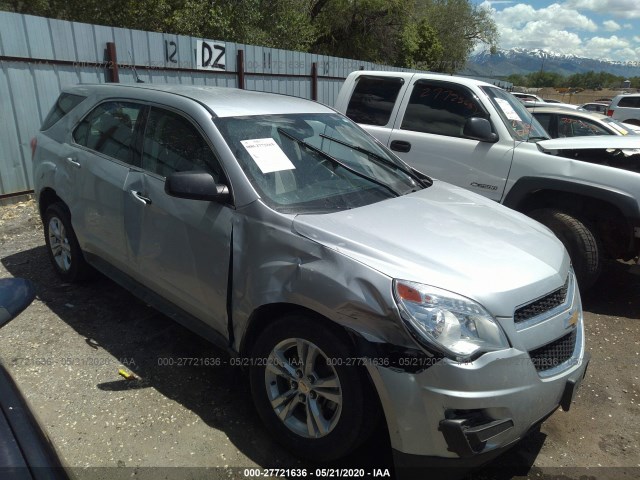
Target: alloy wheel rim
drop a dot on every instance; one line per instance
(59, 244)
(303, 388)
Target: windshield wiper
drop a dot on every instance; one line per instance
(380, 158)
(338, 162)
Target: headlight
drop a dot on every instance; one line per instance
(456, 326)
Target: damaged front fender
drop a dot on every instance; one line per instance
(272, 264)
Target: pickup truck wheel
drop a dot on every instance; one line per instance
(62, 244)
(579, 240)
(314, 402)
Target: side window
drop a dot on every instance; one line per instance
(629, 102)
(173, 144)
(64, 104)
(545, 121)
(440, 108)
(569, 126)
(109, 128)
(373, 99)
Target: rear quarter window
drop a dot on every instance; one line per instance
(64, 104)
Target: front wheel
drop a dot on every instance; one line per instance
(307, 390)
(579, 239)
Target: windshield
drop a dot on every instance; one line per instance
(523, 126)
(310, 163)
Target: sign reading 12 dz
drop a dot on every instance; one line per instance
(210, 55)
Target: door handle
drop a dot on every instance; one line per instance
(141, 198)
(73, 162)
(400, 146)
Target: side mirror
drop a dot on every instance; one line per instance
(195, 186)
(15, 295)
(478, 128)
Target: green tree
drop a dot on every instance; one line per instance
(460, 26)
(518, 80)
(421, 47)
(368, 30)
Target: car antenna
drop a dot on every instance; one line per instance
(133, 67)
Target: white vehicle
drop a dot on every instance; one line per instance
(477, 136)
(562, 123)
(625, 108)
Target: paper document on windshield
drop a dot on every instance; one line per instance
(508, 110)
(268, 155)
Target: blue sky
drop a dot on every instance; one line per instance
(605, 29)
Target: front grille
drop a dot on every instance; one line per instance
(554, 353)
(542, 305)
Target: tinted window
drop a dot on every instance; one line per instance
(64, 104)
(545, 120)
(373, 99)
(173, 144)
(440, 108)
(109, 128)
(629, 102)
(569, 126)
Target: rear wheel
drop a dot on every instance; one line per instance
(62, 244)
(579, 239)
(309, 396)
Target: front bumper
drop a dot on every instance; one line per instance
(463, 415)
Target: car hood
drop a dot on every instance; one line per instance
(450, 238)
(590, 143)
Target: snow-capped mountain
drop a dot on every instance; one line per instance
(523, 61)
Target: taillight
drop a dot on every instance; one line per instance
(34, 144)
(610, 113)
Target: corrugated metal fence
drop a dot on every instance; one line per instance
(39, 56)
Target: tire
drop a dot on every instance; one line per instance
(62, 245)
(580, 241)
(346, 409)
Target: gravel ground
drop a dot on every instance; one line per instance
(66, 349)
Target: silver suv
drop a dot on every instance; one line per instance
(347, 282)
(625, 108)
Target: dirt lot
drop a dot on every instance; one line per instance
(66, 349)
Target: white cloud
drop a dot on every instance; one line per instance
(611, 26)
(618, 8)
(556, 16)
(561, 28)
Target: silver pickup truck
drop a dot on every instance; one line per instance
(478, 136)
